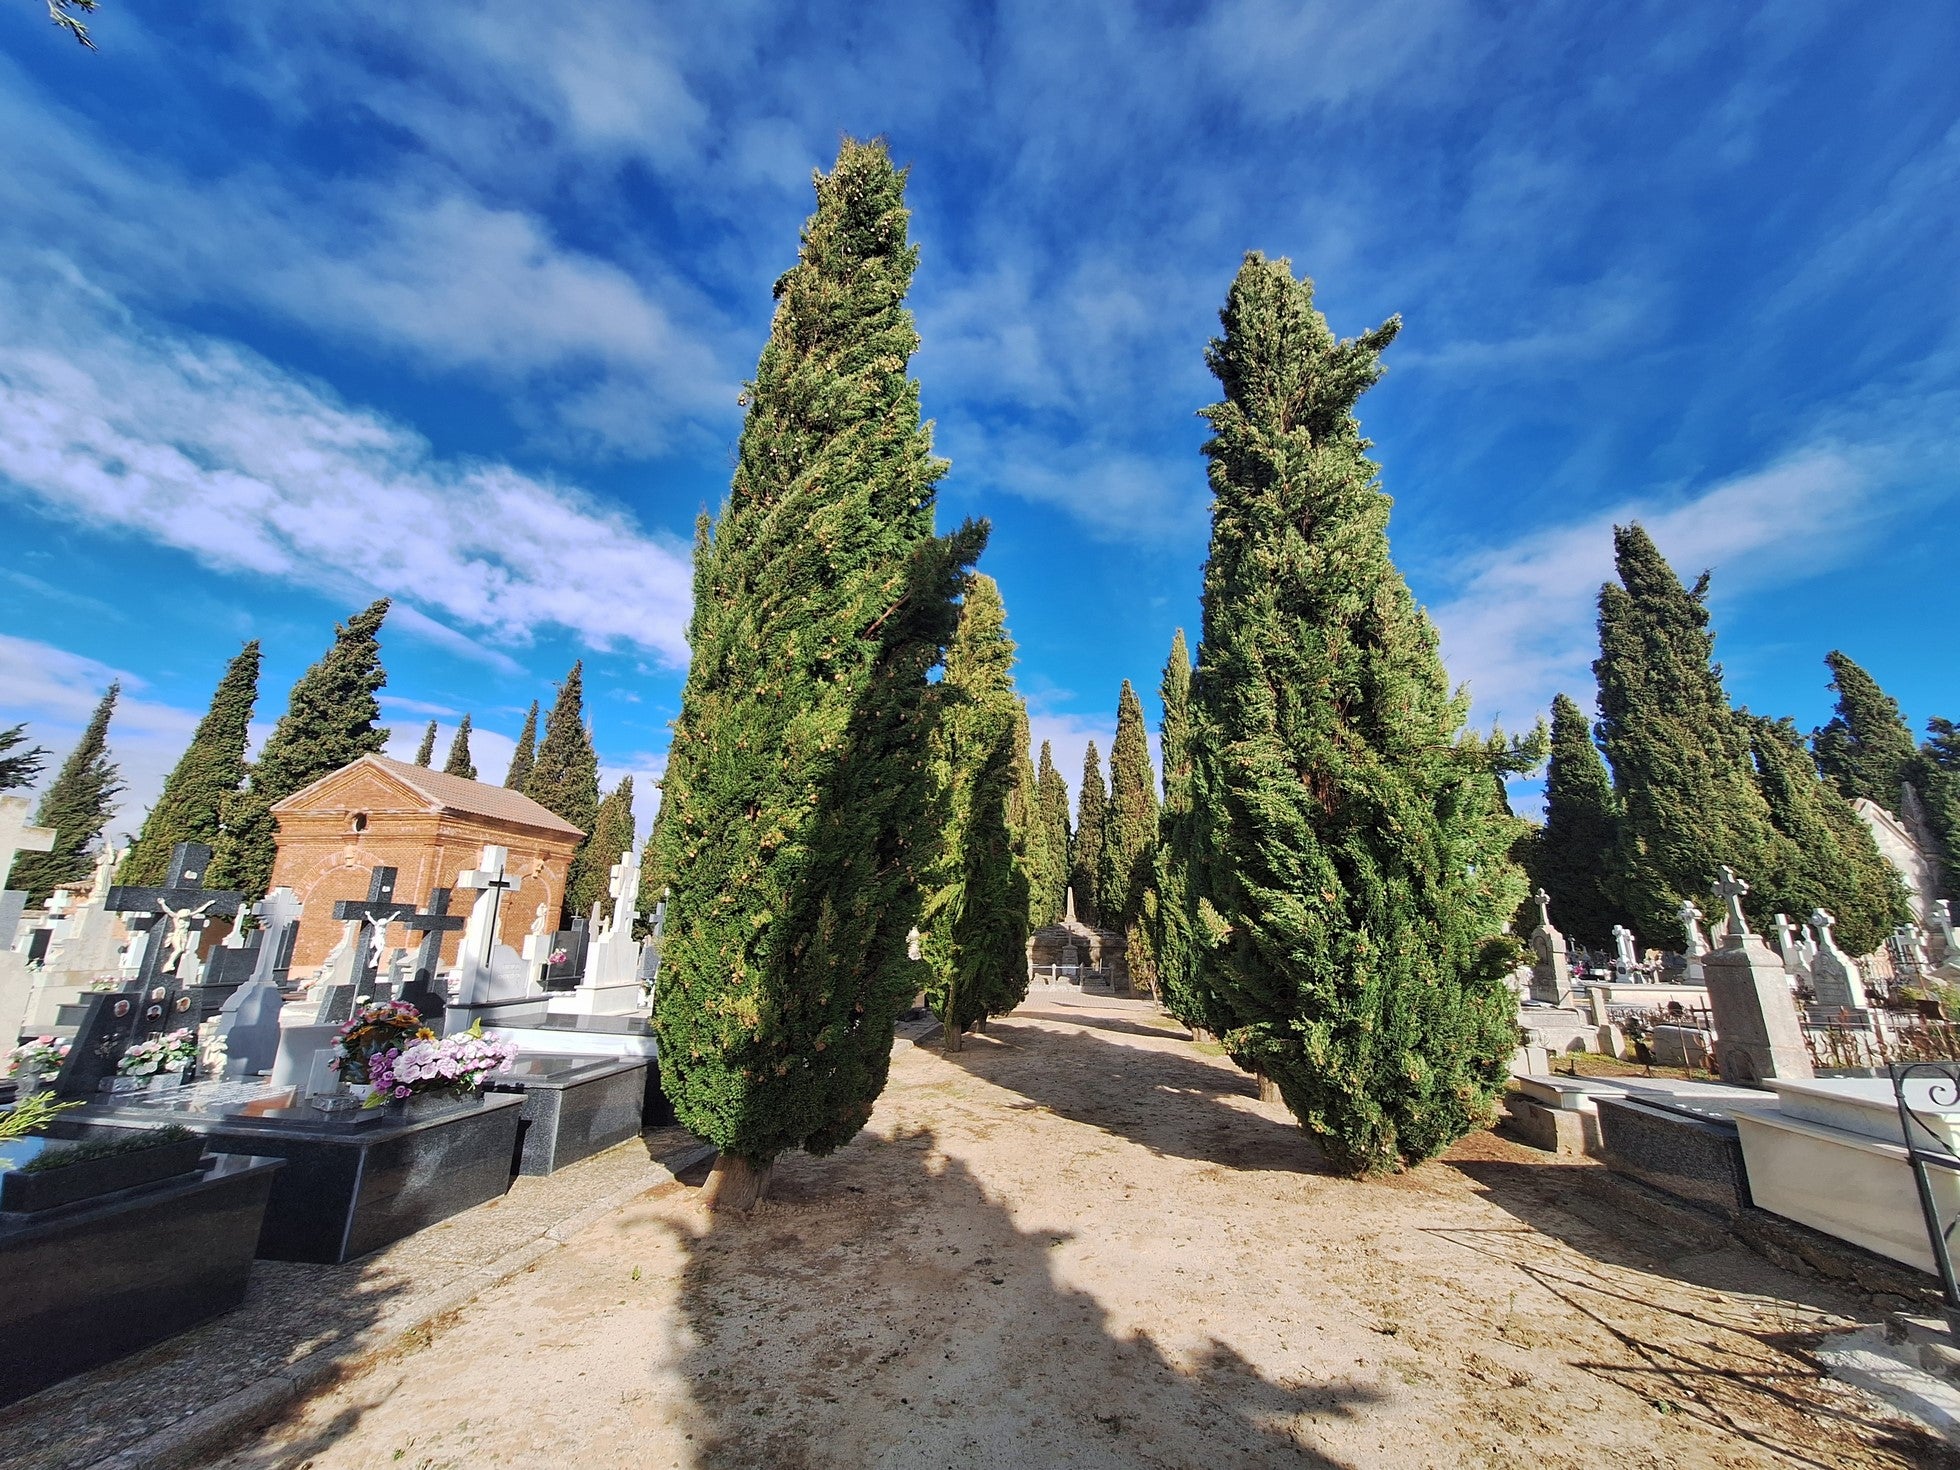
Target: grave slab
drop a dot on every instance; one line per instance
(1691, 1152)
(574, 1106)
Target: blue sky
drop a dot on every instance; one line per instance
(303, 305)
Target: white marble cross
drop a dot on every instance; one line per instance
(277, 912)
(1691, 917)
(625, 890)
(15, 837)
(1730, 889)
(1623, 946)
(1544, 902)
(488, 878)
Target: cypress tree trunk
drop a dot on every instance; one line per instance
(1866, 747)
(792, 831)
(77, 806)
(612, 835)
(1680, 754)
(329, 722)
(976, 918)
(525, 756)
(459, 762)
(426, 751)
(1351, 869)
(1570, 856)
(564, 780)
(1130, 836)
(207, 775)
(1091, 815)
(1055, 837)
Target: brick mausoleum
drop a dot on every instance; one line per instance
(428, 826)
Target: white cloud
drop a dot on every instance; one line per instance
(199, 444)
(1522, 626)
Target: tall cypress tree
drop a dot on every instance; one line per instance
(1679, 753)
(525, 756)
(1866, 747)
(425, 753)
(1056, 838)
(330, 722)
(1024, 817)
(1168, 902)
(565, 781)
(798, 777)
(207, 775)
(1939, 790)
(459, 762)
(1349, 857)
(1130, 835)
(1085, 861)
(612, 835)
(22, 767)
(976, 928)
(1570, 856)
(77, 806)
(1829, 859)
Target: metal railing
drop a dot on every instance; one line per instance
(1927, 1148)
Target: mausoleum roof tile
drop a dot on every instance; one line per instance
(450, 793)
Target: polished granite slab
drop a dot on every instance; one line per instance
(574, 1106)
(91, 1282)
(354, 1181)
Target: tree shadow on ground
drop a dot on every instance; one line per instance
(1087, 1078)
(1051, 1011)
(1647, 1271)
(906, 1320)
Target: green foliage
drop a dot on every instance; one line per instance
(1570, 856)
(459, 762)
(612, 834)
(207, 775)
(63, 14)
(976, 912)
(23, 768)
(330, 722)
(525, 756)
(1169, 916)
(1866, 747)
(31, 1114)
(796, 832)
(1129, 847)
(1091, 814)
(1828, 859)
(1939, 792)
(425, 753)
(1680, 755)
(1051, 795)
(1350, 847)
(141, 1140)
(564, 780)
(77, 806)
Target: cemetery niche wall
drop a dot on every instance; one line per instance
(430, 828)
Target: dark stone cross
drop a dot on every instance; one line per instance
(169, 919)
(423, 991)
(374, 913)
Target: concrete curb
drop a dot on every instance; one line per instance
(196, 1439)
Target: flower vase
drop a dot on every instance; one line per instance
(27, 1081)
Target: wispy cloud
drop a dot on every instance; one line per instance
(202, 445)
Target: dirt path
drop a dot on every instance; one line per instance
(1083, 1243)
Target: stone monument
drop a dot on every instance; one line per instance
(1551, 965)
(1694, 944)
(1834, 975)
(248, 1021)
(1757, 1031)
(16, 983)
(486, 970)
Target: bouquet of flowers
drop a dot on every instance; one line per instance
(170, 1052)
(455, 1064)
(42, 1054)
(373, 1029)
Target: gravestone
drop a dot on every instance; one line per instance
(358, 954)
(248, 1022)
(650, 951)
(16, 980)
(1694, 942)
(486, 970)
(424, 989)
(1551, 965)
(1789, 949)
(1942, 919)
(1758, 1034)
(1626, 958)
(169, 919)
(1834, 975)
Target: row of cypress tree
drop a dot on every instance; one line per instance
(1696, 783)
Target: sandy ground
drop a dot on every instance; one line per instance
(1083, 1242)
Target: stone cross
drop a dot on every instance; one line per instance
(1788, 946)
(422, 990)
(185, 903)
(490, 882)
(1544, 902)
(1730, 889)
(1834, 975)
(625, 890)
(1623, 947)
(16, 837)
(248, 1021)
(375, 913)
(278, 914)
(1697, 942)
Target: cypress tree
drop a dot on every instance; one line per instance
(1024, 819)
(1168, 902)
(425, 753)
(1349, 858)
(798, 844)
(1570, 856)
(1828, 859)
(208, 774)
(77, 806)
(1056, 838)
(330, 722)
(1130, 835)
(22, 768)
(526, 754)
(1086, 860)
(1866, 747)
(1680, 755)
(459, 762)
(1939, 792)
(565, 781)
(976, 928)
(612, 835)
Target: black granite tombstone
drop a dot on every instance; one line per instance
(168, 918)
(424, 990)
(566, 973)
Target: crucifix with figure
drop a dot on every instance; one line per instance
(423, 991)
